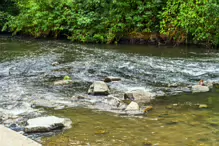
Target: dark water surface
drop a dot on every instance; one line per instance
(26, 73)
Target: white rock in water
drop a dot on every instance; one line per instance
(99, 88)
(63, 82)
(45, 124)
(199, 88)
(132, 106)
(139, 96)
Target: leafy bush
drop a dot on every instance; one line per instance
(7, 8)
(100, 21)
(191, 19)
(107, 21)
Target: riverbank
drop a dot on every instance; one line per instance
(144, 39)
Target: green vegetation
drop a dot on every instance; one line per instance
(197, 20)
(66, 78)
(7, 9)
(107, 21)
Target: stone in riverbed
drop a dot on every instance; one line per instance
(110, 79)
(45, 124)
(99, 88)
(133, 106)
(55, 63)
(4, 73)
(63, 82)
(199, 88)
(203, 106)
(139, 96)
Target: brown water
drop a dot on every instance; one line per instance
(174, 121)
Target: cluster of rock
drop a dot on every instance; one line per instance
(134, 97)
(128, 103)
(139, 96)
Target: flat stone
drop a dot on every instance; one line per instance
(199, 88)
(9, 137)
(43, 103)
(45, 124)
(63, 82)
(111, 79)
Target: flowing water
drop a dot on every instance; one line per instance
(27, 73)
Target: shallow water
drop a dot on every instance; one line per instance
(26, 73)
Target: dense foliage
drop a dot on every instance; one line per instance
(7, 8)
(107, 21)
(198, 20)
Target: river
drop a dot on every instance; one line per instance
(27, 73)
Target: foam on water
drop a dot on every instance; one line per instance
(31, 76)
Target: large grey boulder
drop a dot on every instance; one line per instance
(139, 96)
(45, 124)
(199, 88)
(99, 88)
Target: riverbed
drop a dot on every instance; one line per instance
(27, 73)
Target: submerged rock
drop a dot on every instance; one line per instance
(199, 88)
(173, 85)
(113, 101)
(43, 103)
(147, 143)
(203, 106)
(147, 108)
(160, 94)
(110, 79)
(63, 82)
(133, 106)
(99, 88)
(55, 63)
(101, 132)
(139, 96)
(45, 124)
